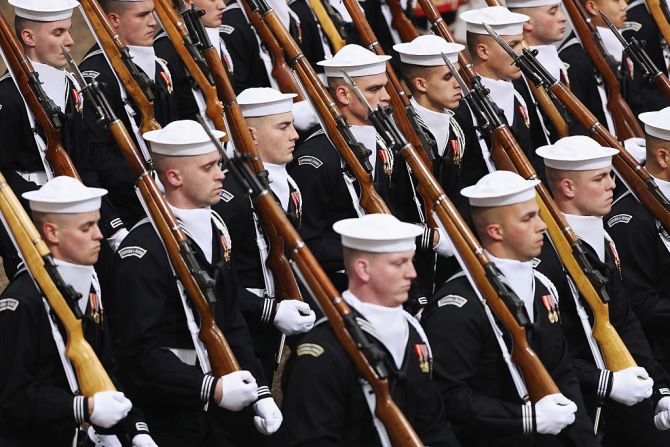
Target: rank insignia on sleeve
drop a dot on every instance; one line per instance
(135, 251)
(226, 196)
(90, 74)
(227, 29)
(631, 26)
(452, 300)
(619, 218)
(310, 160)
(8, 304)
(309, 349)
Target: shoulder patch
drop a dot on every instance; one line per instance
(8, 304)
(631, 26)
(619, 218)
(90, 74)
(310, 160)
(452, 300)
(664, 391)
(226, 195)
(133, 250)
(226, 29)
(536, 262)
(309, 349)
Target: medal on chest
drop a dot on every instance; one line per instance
(386, 158)
(524, 115)
(551, 306)
(96, 309)
(425, 362)
(168, 82)
(296, 198)
(78, 101)
(615, 255)
(455, 147)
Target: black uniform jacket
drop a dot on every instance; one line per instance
(642, 96)
(622, 425)
(324, 404)
(35, 398)
(105, 157)
(149, 318)
(643, 246)
(480, 397)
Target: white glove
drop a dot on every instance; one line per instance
(268, 417)
(294, 317)
(117, 238)
(631, 386)
(444, 246)
(109, 407)
(637, 147)
(553, 413)
(239, 390)
(143, 440)
(304, 116)
(662, 414)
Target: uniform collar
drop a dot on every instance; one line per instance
(145, 58)
(80, 277)
(521, 278)
(591, 230)
(547, 55)
(502, 93)
(664, 186)
(389, 325)
(438, 124)
(198, 224)
(54, 82)
(279, 185)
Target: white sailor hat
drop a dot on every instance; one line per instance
(530, 3)
(377, 233)
(576, 153)
(427, 51)
(355, 61)
(500, 188)
(502, 20)
(44, 10)
(65, 195)
(181, 138)
(263, 101)
(657, 124)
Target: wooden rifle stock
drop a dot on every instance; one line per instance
(660, 14)
(331, 117)
(401, 23)
(28, 83)
(327, 25)
(177, 245)
(113, 47)
(91, 375)
(180, 38)
(280, 70)
(286, 286)
(625, 122)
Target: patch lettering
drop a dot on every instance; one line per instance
(452, 300)
(310, 160)
(635, 26)
(619, 218)
(226, 196)
(9, 304)
(309, 349)
(90, 74)
(227, 29)
(135, 251)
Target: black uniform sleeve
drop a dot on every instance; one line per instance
(582, 85)
(456, 359)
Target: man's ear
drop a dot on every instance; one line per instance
(28, 37)
(342, 94)
(362, 269)
(50, 233)
(173, 177)
(254, 134)
(495, 232)
(482, 51)
(528, 26)
(114, 20)
(592, 8)
(663, 158)
(420, 84)
(568, 188)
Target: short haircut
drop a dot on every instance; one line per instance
(410, 72)
(471, 41)
(334, 83)
(653, 144)
(350, 255)
(115, 6)
(480, 220)
(21, 23)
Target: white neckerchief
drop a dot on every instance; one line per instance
(367, 136)
(145, 58)
(611, 43)
(591, 230)
(282, 10)
(521, 278)
(80, 277)
(54, 82)
(389, 323)
(279, 185)
(664, 186)
(438, 124)
(198, 224)
(547, 55)
(502, 93)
